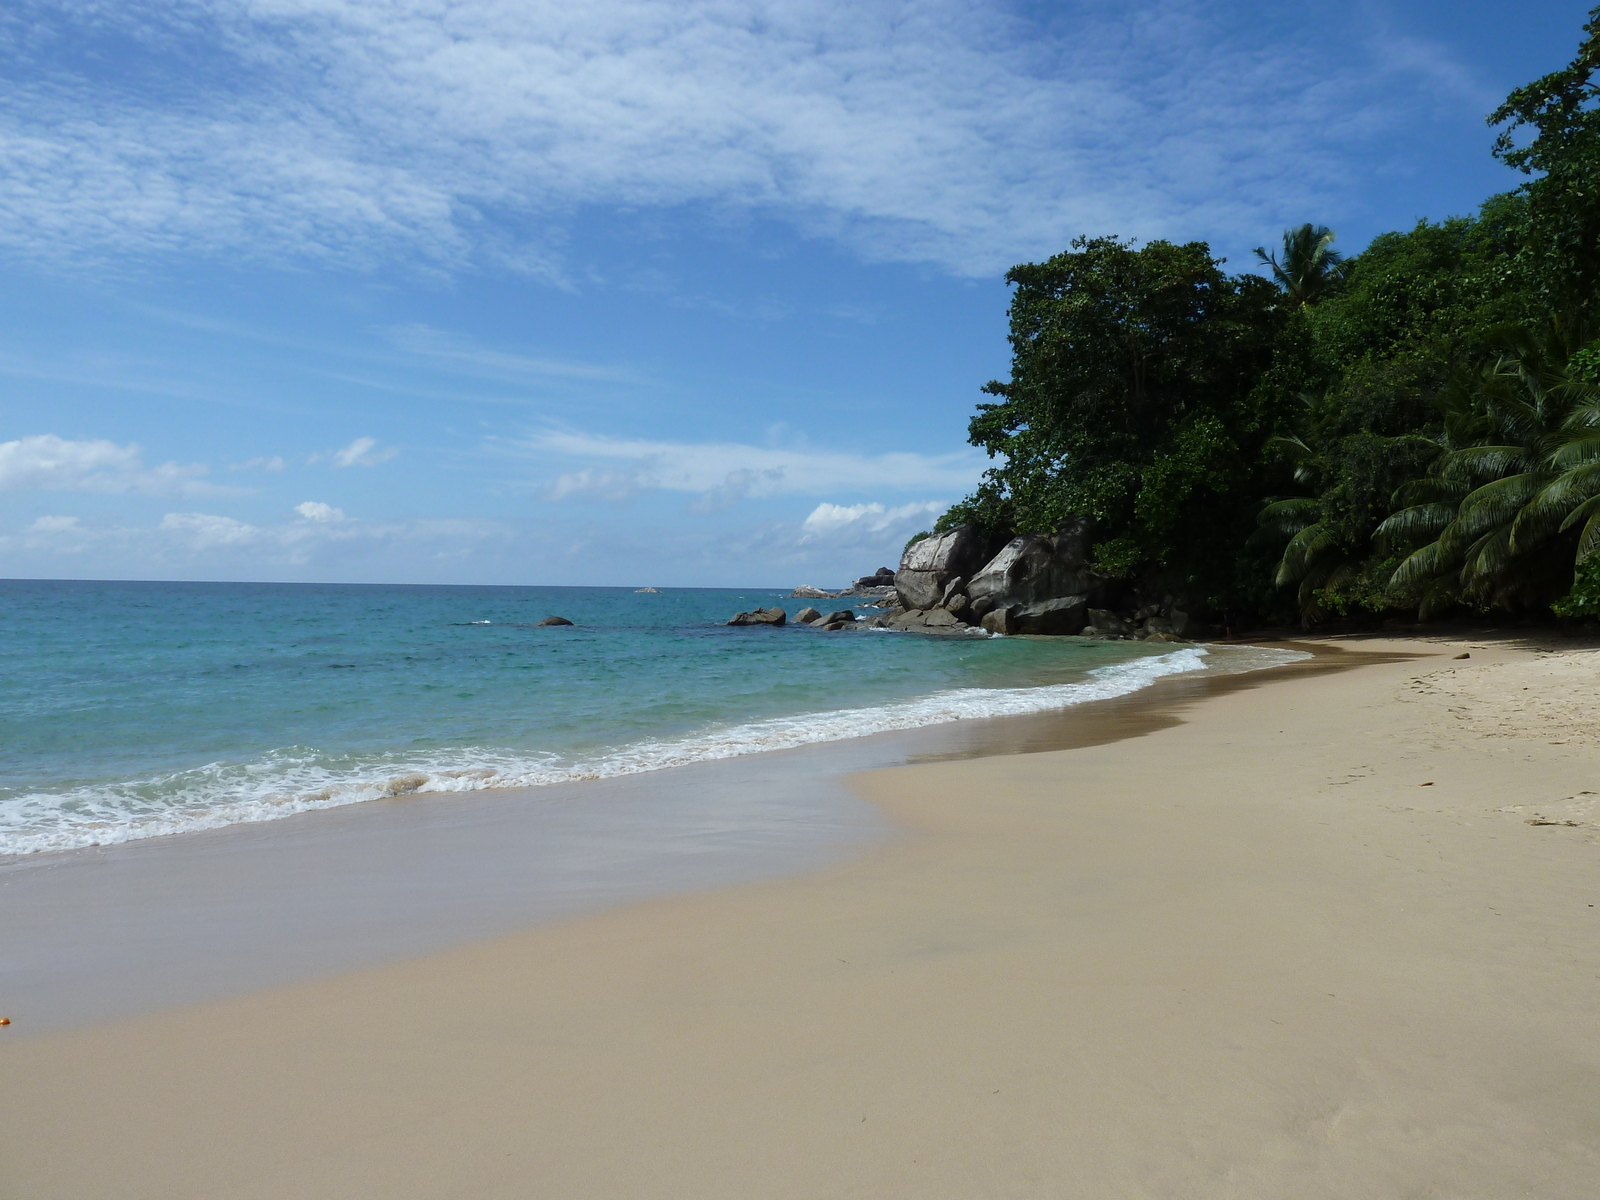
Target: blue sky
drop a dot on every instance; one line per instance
(693, 293)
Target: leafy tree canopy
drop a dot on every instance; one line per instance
(1560, 238)
(1417, 425)
(1129, 400)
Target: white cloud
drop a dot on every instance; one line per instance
(833, 520)
(596, 485)
(205, 531)
(725, 472)
(316, 510)
(363, 452)
(321, 532)
(50, 463)
(963, 134)
(57, 534)
(56, 525)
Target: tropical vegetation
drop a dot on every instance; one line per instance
(1414, 428)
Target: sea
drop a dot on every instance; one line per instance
(134, 710)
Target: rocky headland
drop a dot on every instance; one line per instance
(963, 583)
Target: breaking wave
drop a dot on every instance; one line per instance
(301, 779)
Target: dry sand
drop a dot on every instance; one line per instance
(1245, 955)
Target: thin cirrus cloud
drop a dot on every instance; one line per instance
(465, 357)
(49, 463)
(723, 473)
(215, 536)
(965, 135)
(363, 452)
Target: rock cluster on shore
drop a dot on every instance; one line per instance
(961, 583)
(1035, 583)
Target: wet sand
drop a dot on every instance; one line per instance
(1330, 935)
(98, 934)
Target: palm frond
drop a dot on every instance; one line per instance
(1421, 566)
(1589, 539)
(1499, 502)
(1428, 490)
(1585, 511)
(1303, 551)
(1486, 558)
(1418, 521)
(1473, 464)
(1291, 515)
(1576, 447)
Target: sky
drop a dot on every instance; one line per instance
(682, 293)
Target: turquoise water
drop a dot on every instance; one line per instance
(132, 710)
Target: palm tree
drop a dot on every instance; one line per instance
(1311, 267)
(1514, 477)
(1329, 546)
(1572, 498)
(1315, 557)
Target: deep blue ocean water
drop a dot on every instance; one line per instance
(132, 710)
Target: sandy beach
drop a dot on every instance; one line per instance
(1334, 935)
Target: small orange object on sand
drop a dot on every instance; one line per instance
(5, 1020)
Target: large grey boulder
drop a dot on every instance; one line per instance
(998, 620)
(1064, 614)
(761, 616)
(928, 566)
(932, 620)
(1106, 622)
(807, 615)
(1188, 628)
(1034, 568)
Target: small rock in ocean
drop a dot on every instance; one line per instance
(553, 621)
(807, 615)
(999, 620)
(843, 617)
(760, 616)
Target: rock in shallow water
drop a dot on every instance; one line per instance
(553, 621)
(999, 621)
(761, 616)
(807, 615)
(1065, 614)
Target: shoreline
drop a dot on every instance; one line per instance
(484, 769)
(1325, 936)
(101, 933)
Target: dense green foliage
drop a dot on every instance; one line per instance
(1413, 428)
(1131, 401)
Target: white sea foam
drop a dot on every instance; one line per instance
(298, 780)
